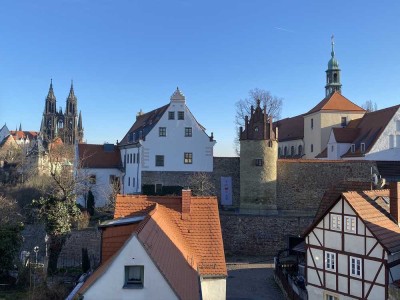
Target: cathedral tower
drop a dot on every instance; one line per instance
(66, 125)
(333, 74)
(258, 163)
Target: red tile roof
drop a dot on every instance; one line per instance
(182, 247)
(99, 156)
(370, 128)
(290, 128)
(19, 135)
(336, 102)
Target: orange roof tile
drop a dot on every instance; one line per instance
(99, 156)
(290, 128)
(336, 102)
(182, 248)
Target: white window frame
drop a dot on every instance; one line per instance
(336, 222)
(350, 224)
(330, 261)
(330, 297)
(355, 266)
(362, 146)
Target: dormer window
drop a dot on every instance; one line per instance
(353, 148)
(362, 147)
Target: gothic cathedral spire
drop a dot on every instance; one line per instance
(333, 74)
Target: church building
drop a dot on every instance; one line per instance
(67, 125)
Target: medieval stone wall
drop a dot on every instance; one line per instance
(259, 235)
(302, 183)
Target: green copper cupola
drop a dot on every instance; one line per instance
(333, 74)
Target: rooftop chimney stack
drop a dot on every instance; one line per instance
(186, 199)
(394, 201)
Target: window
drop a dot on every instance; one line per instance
(129, 181)
(391, 141)
(292, 151)
(131, 157)
(159, 160)
(285, 151)
(362, 147)
(134, 277)
(134, 157)
(343, 122)
(133, 181)
(259, 162)
(353, 148)
(188, 131)
(330, 297)
(279, 152)
(92, 179)
(137, 158)
(162, 131)
(355, 266)
(332, 148)
(300, 150)
(188, 157)
(330, 261)
(312, 123)
(256, 129)
(350, 224)
(181, 115)
(336, 222)
(171, 115)
(312, 148)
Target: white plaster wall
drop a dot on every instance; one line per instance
(213, 289)
(343, 284)
(342, 264)
(318, 258)
(377, 292)
(289, 144)
(110, 284)
(381, 150)
(354, 244)
(132, 170)
(371, 268)
(175, 144)
(333, 240)
(330, 281)
(312, 135)
(101, 189)
(355, 287)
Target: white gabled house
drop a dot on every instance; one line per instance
(375, 136)
(162, 145)
(353, 246)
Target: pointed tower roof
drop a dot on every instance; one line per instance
(71, 95)
(178, 96)
(80, 121)
(20, 127)
(333, 63)
(50, 94)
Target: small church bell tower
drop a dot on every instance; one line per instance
(333, 74)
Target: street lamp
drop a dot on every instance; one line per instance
(36, 250)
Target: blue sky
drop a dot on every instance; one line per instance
(127, 55)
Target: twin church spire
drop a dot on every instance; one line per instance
(68, 125)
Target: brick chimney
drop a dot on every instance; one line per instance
(186, 199)
(394, 200)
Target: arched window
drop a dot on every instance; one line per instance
(312, 148)
(292, 151)
(279, 152)
(300, 150)
(334, 77)
(285, 151)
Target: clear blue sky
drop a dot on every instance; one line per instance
(129, 55)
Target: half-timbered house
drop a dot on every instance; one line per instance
(353, 246)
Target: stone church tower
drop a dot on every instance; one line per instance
(258, 163)
(333, 74)
(67, 126)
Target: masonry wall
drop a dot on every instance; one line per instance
(302, 183)
(227, 167)
(259, 235)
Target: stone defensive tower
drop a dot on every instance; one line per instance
(258, 163)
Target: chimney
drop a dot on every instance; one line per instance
(186, 199)
(394, 201)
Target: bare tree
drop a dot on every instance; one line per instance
(201, 184)
(272, 103)
(370, 106)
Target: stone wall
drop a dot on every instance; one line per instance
(259, 235)
(71, 254)
(302, 183)
(227, 167)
